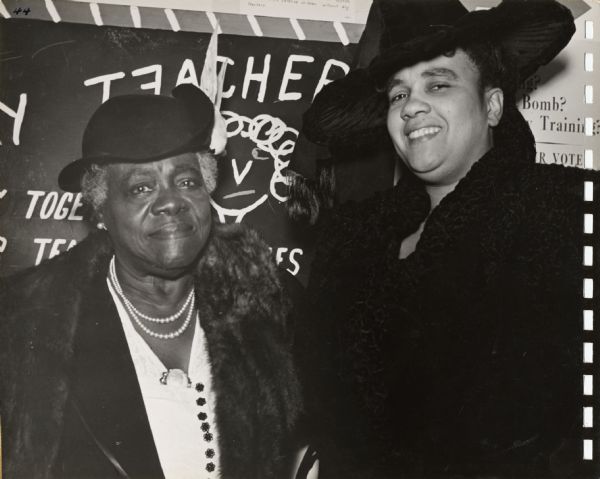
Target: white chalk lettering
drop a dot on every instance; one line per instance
(35, 196)
(324, 80)
(77, 203)
(54, 251)
(280, 257)
(260, 77)
(150, 69)
(288, 76)
(47, 210)
(42, 242)
(56, 206)
(187, 73)
(105, 80)
(62, 212)
(225, 61)
(56, 248)
(293, 253)
(237, 176)
(17, 115)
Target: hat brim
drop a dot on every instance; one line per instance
(69, 179)
(532, 32)
(349, 111)
(353, 109)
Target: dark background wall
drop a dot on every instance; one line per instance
(45, 104)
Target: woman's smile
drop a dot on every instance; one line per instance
(173, 230)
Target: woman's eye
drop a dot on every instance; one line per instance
(396, 97)
(439, 86)
(189, 183)
(140, 189)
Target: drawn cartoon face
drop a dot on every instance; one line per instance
(257, 150)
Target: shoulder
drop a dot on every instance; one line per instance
(557, 179)
(556, 185)
(238, 270)
(237, 253)
(64, 271)
(552, 199)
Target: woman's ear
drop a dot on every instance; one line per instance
(100, 218)
(494, 98)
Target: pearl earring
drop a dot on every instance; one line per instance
(101, 226)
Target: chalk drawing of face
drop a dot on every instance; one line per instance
(252, 172)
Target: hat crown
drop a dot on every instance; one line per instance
(404, 20)
(146, 126)
(143, 128)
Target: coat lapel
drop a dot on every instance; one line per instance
(105, 386)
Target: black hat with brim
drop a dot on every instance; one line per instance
(352, 110)
(141, 129)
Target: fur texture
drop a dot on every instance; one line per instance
(464, 359)
(242, 309)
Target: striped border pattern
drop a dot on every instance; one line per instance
(181, 20)
(590, 261)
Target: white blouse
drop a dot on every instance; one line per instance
(181, 418)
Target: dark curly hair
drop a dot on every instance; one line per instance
(493, 65)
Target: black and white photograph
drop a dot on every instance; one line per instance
(299, 239)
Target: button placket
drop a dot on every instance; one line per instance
(205, 426)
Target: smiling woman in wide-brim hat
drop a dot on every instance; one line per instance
(455, 349)
(352, 110)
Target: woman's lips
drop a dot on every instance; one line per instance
(423, 133)
(173, 230)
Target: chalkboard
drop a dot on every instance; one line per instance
(54, 76)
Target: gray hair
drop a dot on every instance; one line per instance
(94, 184)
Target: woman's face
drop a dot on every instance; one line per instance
(157, 214)
(439, 119)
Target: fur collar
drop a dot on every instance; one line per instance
(491, 192)
(243, 312)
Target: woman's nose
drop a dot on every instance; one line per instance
(413, 106)
(169, 202)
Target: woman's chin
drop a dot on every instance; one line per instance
(175, 262)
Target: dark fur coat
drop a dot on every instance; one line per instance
(465, 358)
(66, 369)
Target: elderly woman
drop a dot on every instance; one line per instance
(157, 346)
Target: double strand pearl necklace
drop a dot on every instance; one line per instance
(137, 315)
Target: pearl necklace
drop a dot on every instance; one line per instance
(168, 319)
(135, 314)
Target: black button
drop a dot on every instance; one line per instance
(199, 387)
(200, 401)
(202, 416)
(210, 467)
(210, 453)
(205, 426)
(208, 437)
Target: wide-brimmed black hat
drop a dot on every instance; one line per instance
(143, 128)
(352, 110)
